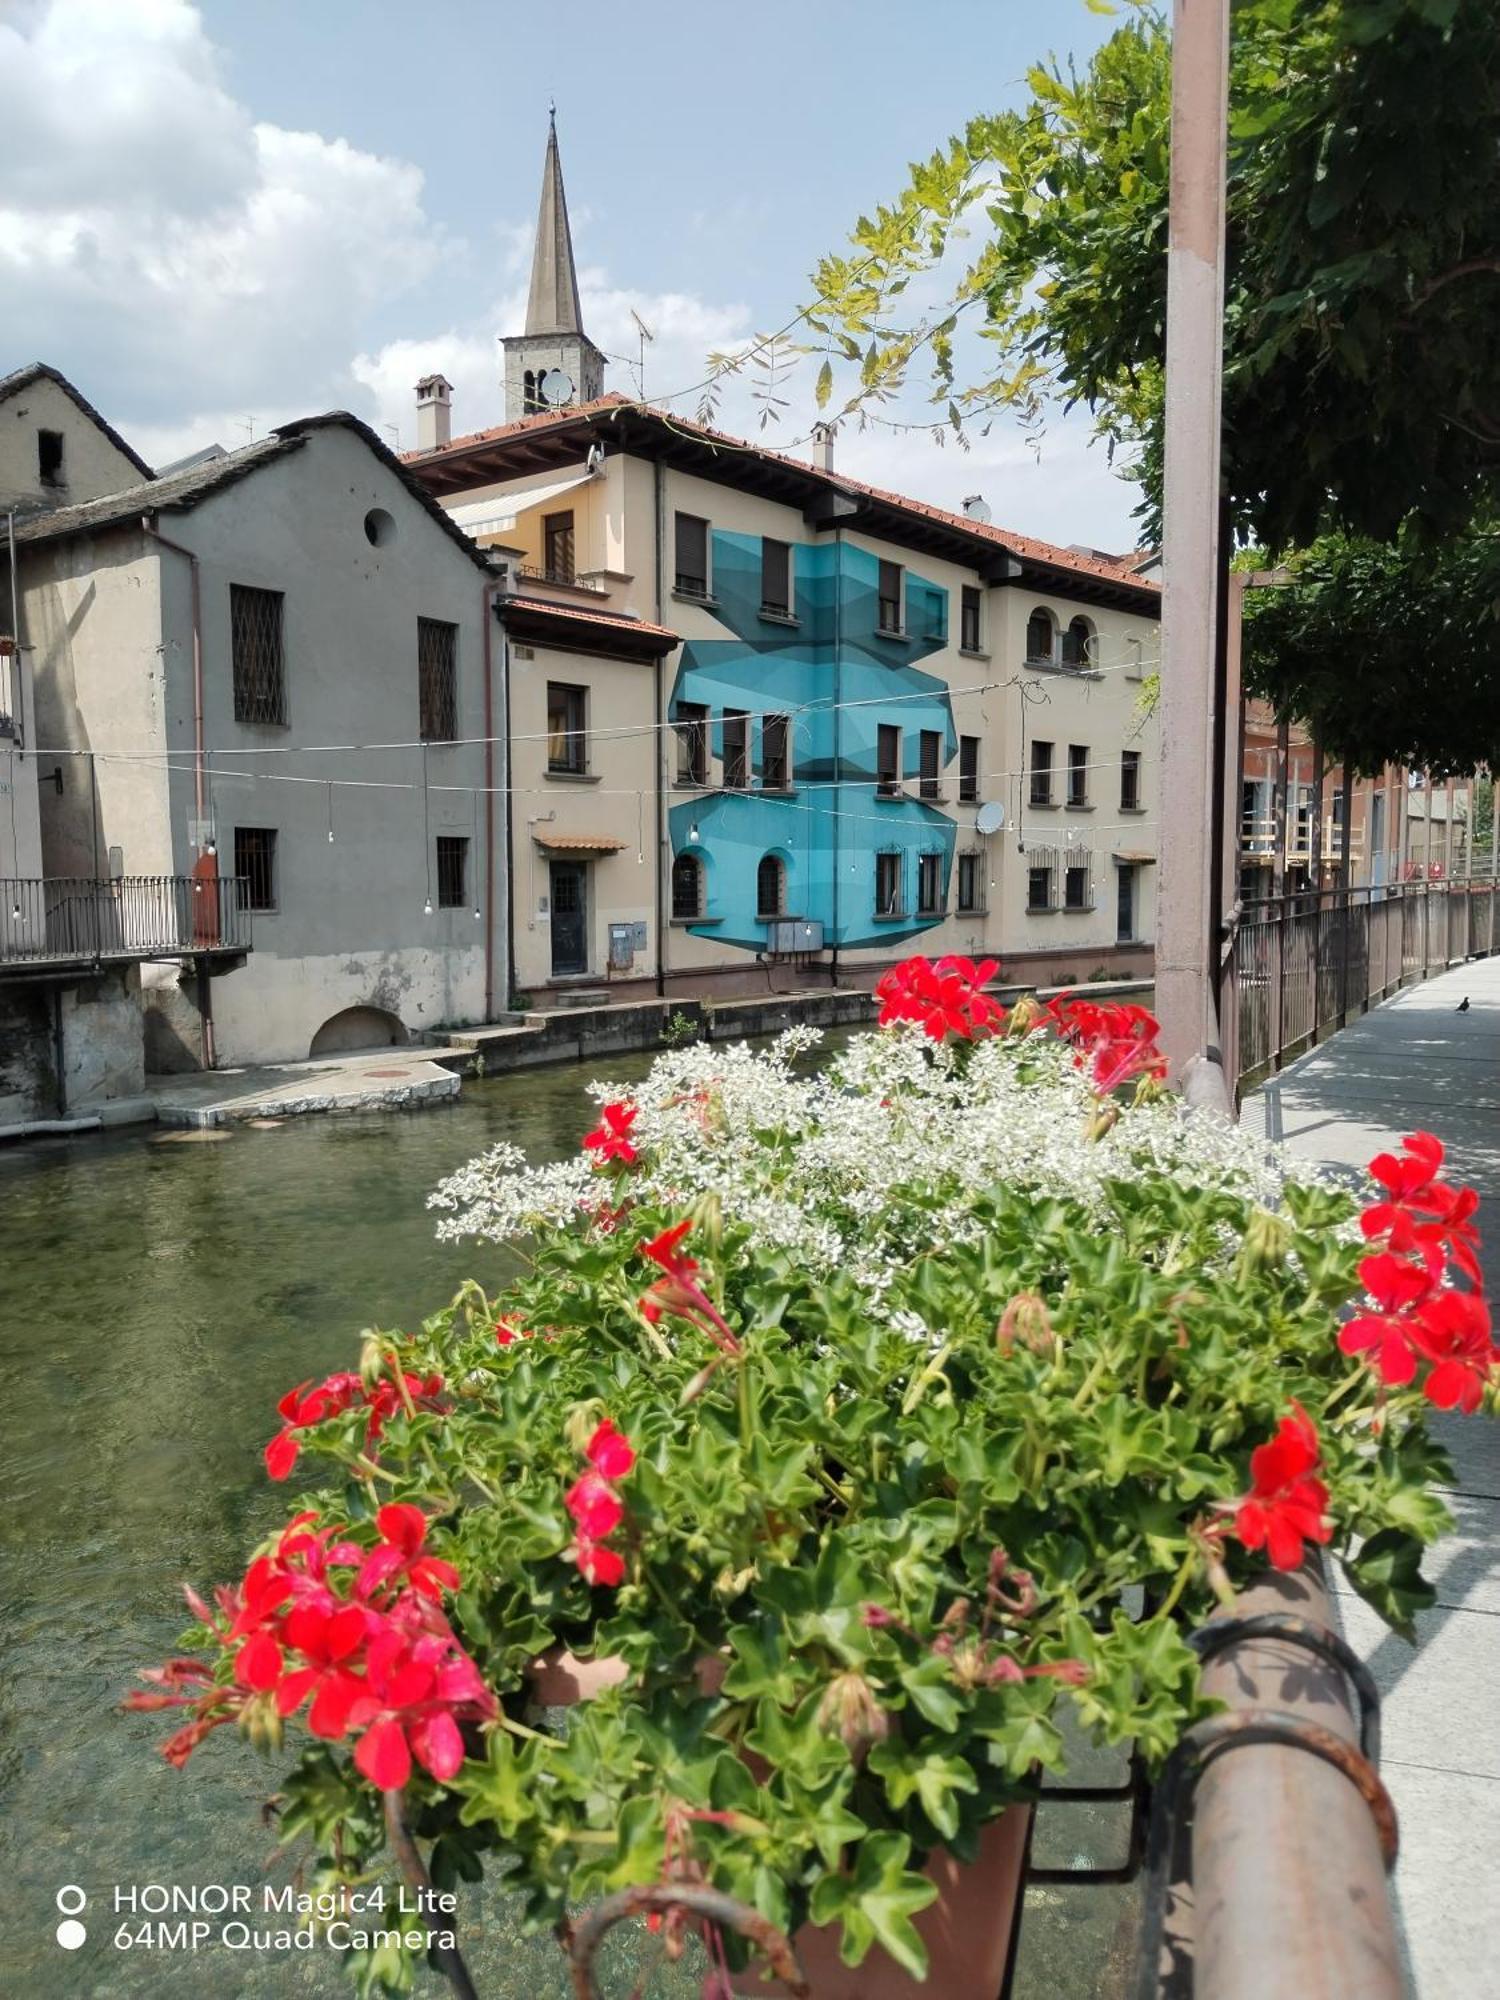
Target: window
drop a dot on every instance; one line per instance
(968, 768)
(255, 650)
(736, 749)
(775, 763)
(1078, 886)
(931, 748)
(775, 578)
(255, 866)
(929, 885)
(1125, 903)
(1040, 632)
(1078, 644)
(692, 555)
(1078, 774)
(888, 759)
(687, 888)
(1039, 884)
(1130, 781)
(557, 547)
(888, 885)
(970, 884)
(692, 743)
(1041, 773)
(567, 729)
(888, 618)
(770, 887)
(968, 625)
(531, 391)
(49, 458)
(452, 871)
(437, 679)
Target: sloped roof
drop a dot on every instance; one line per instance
(21, 378)
(614, 620)
(193, 483)
(595, 416)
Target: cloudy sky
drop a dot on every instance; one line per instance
(218, 217)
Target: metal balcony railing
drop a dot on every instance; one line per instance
(67, 919)
(538, 573)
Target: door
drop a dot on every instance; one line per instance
(570, 952)
(1125, 917)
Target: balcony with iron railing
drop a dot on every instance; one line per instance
(80, 920)
(559, 579)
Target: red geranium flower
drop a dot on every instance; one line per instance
(306, 1405)
(1421, 1213)
(1286, 1505)
(398, 1553)
(1452, 1330)
(325, 1640)
(599, 1564)
(946, 998)
(595, 1506)
(610, 1138)
(257, 1665)
(409, 1706)
(609, 1452)
(1395, 1285)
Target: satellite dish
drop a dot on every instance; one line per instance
(990, 818)
(556, 387)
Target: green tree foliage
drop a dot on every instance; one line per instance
(1363, 286)
(1362, 328)
(1389, 648)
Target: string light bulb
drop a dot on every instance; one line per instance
(427, 907)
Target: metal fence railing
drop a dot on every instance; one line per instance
(1304, 963)
(65, 918)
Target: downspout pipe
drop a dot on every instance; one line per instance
(510, 816)
(659, 738)
(486, 615)
(209, 873)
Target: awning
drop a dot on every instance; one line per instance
(579, 843)
(1132, 857)
(502, 510)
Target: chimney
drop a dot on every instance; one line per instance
(822, 447)
(434, 412)
(977, 507)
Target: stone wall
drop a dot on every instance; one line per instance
(99, 1026)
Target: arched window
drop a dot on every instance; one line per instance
(1078, 644)
(687, 887)
(770, 887)
(531, 396)
(1040, 634)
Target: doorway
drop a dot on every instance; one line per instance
(569, 887)
(1125, 911)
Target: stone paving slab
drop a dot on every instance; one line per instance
(1415, 1063)
(378, 1080)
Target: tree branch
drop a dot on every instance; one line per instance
(1466, 269)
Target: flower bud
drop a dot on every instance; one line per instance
(1024, 1015)
(373, 1352)
(1268, 1238)
(850, 1711)
(1104, 1118)
(1025, 1319)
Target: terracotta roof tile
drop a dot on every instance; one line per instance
(540, 420)
(583, 843)
(615, 621)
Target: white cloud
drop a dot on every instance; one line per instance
(180, 260)
(198, 273)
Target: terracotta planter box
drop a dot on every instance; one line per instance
(967, 1931)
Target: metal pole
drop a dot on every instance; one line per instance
(1190, 552)
(1289, 1884)
(1494, 855)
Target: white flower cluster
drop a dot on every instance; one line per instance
(859, 1165)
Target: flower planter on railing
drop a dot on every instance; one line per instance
(845, 1421)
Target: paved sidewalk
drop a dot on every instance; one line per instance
(1418, 1064)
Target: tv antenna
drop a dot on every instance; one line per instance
(645, 334)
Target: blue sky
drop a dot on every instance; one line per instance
(239, 212)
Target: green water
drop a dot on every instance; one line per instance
(158, 1298)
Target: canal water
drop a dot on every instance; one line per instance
(160, 1293)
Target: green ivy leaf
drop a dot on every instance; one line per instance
(876, 1901)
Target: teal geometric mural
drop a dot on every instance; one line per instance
(838, 678)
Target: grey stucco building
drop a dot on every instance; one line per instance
(275, 665)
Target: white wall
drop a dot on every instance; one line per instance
(92, 465)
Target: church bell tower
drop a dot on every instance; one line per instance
(553, 364)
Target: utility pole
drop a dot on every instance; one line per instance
(1186, 951)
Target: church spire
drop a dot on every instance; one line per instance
(553, 306)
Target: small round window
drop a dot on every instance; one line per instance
(379, 528)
